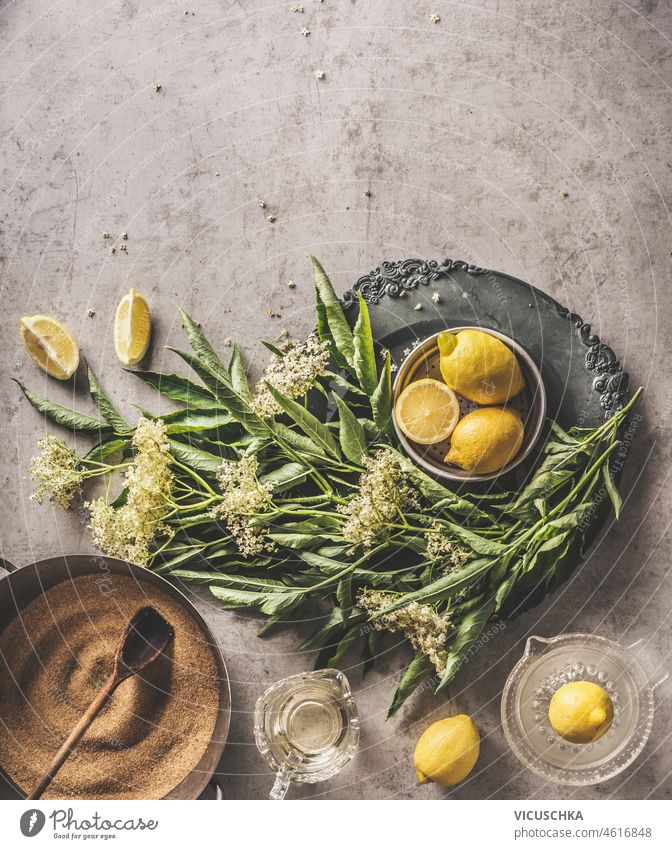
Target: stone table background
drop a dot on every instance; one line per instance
(532, 137)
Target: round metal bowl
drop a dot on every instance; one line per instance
(423, 361)
(21, 586)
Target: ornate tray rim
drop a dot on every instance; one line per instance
(394, 279)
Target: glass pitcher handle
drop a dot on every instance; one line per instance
(283, 779)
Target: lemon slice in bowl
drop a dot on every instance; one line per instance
(132, 328)
(51, 345)
(427, 411)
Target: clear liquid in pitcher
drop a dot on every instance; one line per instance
(309, 724)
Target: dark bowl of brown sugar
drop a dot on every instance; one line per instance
(162, 734)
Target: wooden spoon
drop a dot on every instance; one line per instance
(144, 638)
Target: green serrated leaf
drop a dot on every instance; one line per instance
(239, 374)
(444, 587)
(344, 644)
(351, 432)
(196, 458)
(70, 419)
(344, 595)
(101, 452)
(364, 358)
(612, 490)
(370, 652)
(121, 499)
(209, 381)
(477, 543)
(285, 477)
(309, 424)
(268, 626)
(296, 542)
(562, 435)
(574, 519)
(536, 565)
(241, 411)
(418, 670)
(343, 383)
(199, 419)
(271, 603)
(337, 329)
(468, 632)
(325, 565)
(297, 440)
(107, 409)
(381, 400)
(320, 638)
(177, 388)
(273, 349)
(542, 486)
(204, 351)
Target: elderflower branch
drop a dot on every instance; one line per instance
(129, 531)
(382, 499)
(60, 473)
(243, 497)
(292, 372)
(421, 624)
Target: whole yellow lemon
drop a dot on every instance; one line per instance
(486, 439)
(447, 751)
(479, 366)
(581, 711)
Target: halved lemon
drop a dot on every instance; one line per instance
(132, 328)
(51, 345)
(427, 411)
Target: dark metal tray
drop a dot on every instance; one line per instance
(584, 380)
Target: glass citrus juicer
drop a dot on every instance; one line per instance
(306, 727)
(548, 664)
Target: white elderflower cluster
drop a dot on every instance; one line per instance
(244, 497)
(128, 531)
(443, 548)
(382, 497)
(150, 479)
(56, 471)
(292, 374)
(423, 627)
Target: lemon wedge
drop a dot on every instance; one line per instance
(51, 345)
(132, 328)
(427, 411)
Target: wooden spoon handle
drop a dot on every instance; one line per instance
(75, 736)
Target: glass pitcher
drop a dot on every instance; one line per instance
(306, 727)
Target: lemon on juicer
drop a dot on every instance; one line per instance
(479, 366)
(581, 711)
(447, 751)
(486, 439)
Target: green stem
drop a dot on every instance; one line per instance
(193, 474)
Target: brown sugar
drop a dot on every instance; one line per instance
(55, 656)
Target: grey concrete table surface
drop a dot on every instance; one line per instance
(532, 137)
